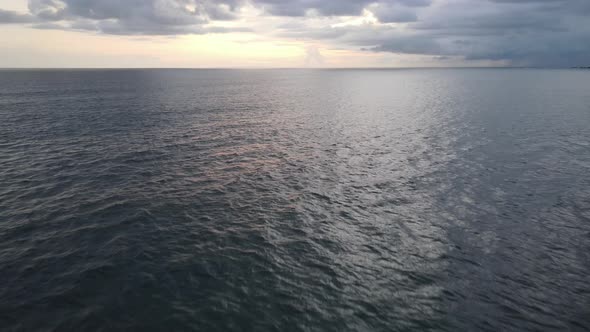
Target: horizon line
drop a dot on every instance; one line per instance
(284, 68)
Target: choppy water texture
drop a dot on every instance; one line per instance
(295, 200)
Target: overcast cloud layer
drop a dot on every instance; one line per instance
(522, 32)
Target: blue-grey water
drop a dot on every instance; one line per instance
(295, 200)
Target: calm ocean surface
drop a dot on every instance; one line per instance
(295, 200)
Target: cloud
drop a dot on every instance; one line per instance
(521, 32)
(393, 13)
(329, 7)
(322, 7)
(313, 57)
(11, 17)
(129, 17)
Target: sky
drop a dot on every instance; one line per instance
(293, 33)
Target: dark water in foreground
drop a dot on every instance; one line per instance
(340, 200)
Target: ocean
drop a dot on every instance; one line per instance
(295, 200)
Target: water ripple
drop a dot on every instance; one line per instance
(294, 200)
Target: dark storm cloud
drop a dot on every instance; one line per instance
(522, 32)
(330, 7)
(129, 17)
(394, 13)
(527, 33)
(10, 17)
(530, 32)
(185, 16)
